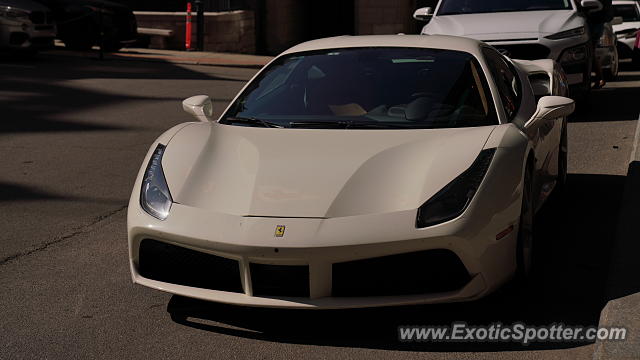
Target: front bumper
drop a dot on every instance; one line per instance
(26, 35)
(324, 251)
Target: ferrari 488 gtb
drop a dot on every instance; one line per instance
(355, 172)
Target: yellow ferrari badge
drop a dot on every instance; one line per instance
(280, 230)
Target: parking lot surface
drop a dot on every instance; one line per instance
(73, 133)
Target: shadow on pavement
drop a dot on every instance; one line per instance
(574, 237)
(609, 104)
(36, 95)
(14, 192)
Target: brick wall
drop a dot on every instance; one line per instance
(378, 17)
(284, 24)
(232, 31)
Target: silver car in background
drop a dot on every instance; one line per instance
(25, 26)
(529, 30)
(629, 12)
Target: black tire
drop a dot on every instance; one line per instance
(524, 245)
(636, 58)
(112, 45)
(80, 44)
(82, 40)
(612, 73)
(563, 162)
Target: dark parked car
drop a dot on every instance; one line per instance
(25, 26)
(79, 23)
(636, 50)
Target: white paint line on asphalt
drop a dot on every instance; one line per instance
(634, 153)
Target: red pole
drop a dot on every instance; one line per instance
(188, 29)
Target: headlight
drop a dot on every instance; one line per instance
(155, 198)
(13, 13)
(574, 54)
(453, 199)
(567, 34)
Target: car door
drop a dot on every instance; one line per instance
(545, 135)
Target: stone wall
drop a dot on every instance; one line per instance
(232, 31)
(380, 17)
(284, 24)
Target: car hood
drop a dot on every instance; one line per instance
(24, 5)
(505, 26)
(250, 171)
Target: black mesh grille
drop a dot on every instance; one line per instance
(423, 272)
(525, 51)
(177, 265)
(280, 280)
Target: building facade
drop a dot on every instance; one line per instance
(280, 24)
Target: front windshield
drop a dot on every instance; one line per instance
(456, 7)
(377, 88)
(629, 13)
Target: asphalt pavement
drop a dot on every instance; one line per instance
(73, 133)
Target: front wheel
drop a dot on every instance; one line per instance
(636, 58)
(563, 153)
(524, 246)
(611, 73)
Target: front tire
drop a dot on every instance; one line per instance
(524, 246)
(563, 161)
(612, 73)
(636, 58)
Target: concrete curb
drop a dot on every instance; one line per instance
(623, 312)
(174, 57)
(623, 284)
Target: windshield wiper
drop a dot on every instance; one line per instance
(344, 124)
(250, 120)
(339, 124)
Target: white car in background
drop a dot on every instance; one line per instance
(25, 26)
(527, 29)
(629, 11)
(355, 172)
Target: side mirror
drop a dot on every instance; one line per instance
(552, 107)
(617, 20)
(591, 5)
(423, 14)
(200, 106)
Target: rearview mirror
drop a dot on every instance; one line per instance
(423, 14)
(617, 20)
(199, 106)
(591, 5)
(552, 107)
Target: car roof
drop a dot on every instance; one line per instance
(416, 41)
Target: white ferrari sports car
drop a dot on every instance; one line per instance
(355, 171)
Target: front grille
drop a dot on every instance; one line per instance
(280, 280)
(423, 272)
(177, 265)
(525, 51)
